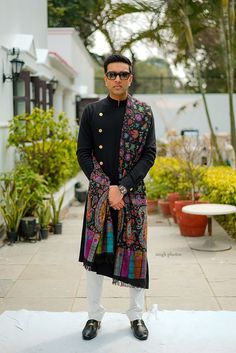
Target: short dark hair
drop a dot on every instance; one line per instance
(117, 58)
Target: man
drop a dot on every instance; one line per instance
(116, 148)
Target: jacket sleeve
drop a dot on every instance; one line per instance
(85, 143)
(140, 170)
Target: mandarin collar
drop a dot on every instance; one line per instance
(116, 102)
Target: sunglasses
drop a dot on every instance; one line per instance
(123, 75)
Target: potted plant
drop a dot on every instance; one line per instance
(56, 210)
(80, 194)
(13, 203)
(28, 230)
(36, 189)
(45, 143)
(165, 173)
(44, 216)
(152, 196)
(190, 180)
(172, 197)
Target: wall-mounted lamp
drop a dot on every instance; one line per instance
(16, 65)
(77, 98)
(54, 84)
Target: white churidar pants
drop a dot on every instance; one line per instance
(94, 295)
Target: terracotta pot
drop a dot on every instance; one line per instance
(190, 225)
(152, 206)
(164, 207)
(172, 197)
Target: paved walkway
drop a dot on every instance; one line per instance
(47, 276)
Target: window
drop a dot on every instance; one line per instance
(30, 92)
(21, 93)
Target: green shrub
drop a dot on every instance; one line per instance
(219, 185)
(152, 191)
(24, 178)
(165, 174)
(14, 201)
(56, 208)
(176, 175)
(46, 144)
(43, 212)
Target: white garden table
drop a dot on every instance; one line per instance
(210, 210)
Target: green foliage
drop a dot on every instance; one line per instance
(21, 192)
(165, 174)
(176, 175)
(46, 144)
(85, 16)
(152, 191)
(153, 75)
(37, 186)
(219, 186)
(44, 215)
(56, 209)
(13, 202)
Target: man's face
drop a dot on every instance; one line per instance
(118, 87)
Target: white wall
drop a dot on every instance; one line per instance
(67, 43)
(6, 89)
(6, 104)
(17, 17)
(25, 17)
(166, 106)
(23, 24)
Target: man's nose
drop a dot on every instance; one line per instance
(117, 78)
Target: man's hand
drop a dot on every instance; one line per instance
(115, 197)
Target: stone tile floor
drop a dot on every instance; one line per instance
(46, 275)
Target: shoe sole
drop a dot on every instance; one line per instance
(141, 338)
(88, 338)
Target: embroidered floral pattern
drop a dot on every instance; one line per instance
(130, 256)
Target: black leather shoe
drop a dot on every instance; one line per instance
(90, 329)
(139, 329)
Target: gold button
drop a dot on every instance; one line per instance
(101, 147)
(100, 130)
(100, 114)
(131, 189)
(101, 163)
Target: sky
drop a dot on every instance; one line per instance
(143, 51)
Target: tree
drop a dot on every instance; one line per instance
(212, 24)
(195, 33)
(85, 16)
(111, 18)
(228, 25)
(181, 11)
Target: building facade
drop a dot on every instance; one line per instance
(58, 71)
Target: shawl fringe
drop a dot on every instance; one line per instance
(87, 267)
(119, 283)
(116, 282)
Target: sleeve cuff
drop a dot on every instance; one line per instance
(127, 182)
